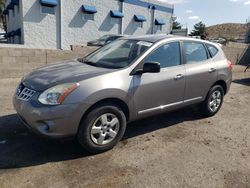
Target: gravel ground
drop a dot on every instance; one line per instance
(178, 149)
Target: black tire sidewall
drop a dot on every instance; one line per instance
(207, 110)
(84, 136)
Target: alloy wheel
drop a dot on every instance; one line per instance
(215, 101)
(105, 129)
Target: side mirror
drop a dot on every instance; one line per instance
(148, 67)
(151, 67)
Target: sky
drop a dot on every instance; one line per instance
(211, 12)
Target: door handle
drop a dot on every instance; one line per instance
(178, 77)
(212, 70)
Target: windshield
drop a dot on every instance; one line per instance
(118, 54)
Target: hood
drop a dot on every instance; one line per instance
(65, 72)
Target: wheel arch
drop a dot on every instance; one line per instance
(223, 84)
(115, 101)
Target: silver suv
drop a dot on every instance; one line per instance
(93, 98)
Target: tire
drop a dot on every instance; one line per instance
(97, 130)
(206, 106)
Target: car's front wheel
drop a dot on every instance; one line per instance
(213, 101)
(102, 128)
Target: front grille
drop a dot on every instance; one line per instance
(24, 93)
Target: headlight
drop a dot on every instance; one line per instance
(57, 94)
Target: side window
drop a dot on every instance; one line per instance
(212, 49)
(168, 55)
(194, 52)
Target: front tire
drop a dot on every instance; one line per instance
(102, 128)
(213, 102)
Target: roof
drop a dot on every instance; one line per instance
(151, 38)
(159, 37)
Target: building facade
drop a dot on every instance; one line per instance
(57, 24)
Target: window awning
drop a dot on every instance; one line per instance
(14, 2)
(159, 21)
(89, 9)
(49, 3)
(139, 18)
(116, 14)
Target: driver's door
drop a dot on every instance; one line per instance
(157, 92)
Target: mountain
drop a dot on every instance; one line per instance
(229, 31)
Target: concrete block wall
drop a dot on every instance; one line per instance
(17, 62)
(237, 53)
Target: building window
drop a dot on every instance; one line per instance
(48, 6)
(47, 10)
(139, 24)
(159, 27)
(115, 21)
(88, 17)
(13, 12)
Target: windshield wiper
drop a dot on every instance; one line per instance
(90, 63)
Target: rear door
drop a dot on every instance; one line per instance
(201, 72)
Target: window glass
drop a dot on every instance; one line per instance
(47, 10)
(88, 16)
(168, 55)
(194, 52)
(212, 49)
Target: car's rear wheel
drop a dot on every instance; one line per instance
(213, 101)
(102, 128)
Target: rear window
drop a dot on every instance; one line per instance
(212, 50)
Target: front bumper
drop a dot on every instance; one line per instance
(50, 121)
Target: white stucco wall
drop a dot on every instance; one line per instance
(163, 15)
(40, 30)
(130, 27)
(164, 28)
(68, 27)
(76, 30)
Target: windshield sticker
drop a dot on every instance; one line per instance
(143, 43)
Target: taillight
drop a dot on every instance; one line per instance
(230, 65)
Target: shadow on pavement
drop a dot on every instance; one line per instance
(21, 148)
(244, 81)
